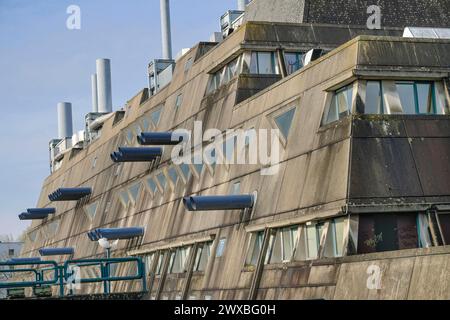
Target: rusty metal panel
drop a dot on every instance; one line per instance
(383, 168)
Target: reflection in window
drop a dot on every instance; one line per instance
(134, 191)
(203, 254)
(178, 260)
(309, 243)
(387, 232)
(417, 97)
(282, 245)
(91, 210)
(293, 61)
(374, 98)
(284, 122)
(221, 247)
(162, 180)
(256, 243)
(152, 185)
(263, 63)
(341, 104)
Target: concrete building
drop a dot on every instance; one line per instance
(359, 204)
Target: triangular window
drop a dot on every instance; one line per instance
(284, 122)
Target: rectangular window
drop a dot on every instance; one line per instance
(293, 61)
(444, 223)
(203, 254)
(417, 97)
(11, 252)
(374, 98)
(263, 63)
(255, 247)
(160, 263)
(341, 104)
(387, 232)
(282, 245)
(179, 260)
(334, 243)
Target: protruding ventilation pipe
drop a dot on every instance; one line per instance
(104, 85)
(36, 214)
(229, 202)
(242, 4)
(165, 30)
(65, 128)
(159, 139)
(25, 260)
(94, 93)
(136, 154)
(118, 233)
(47, 252)
(69, 194)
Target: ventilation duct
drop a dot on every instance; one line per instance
(104, 85)
(56, 252)
(69, 194)
(208, 203)
(25, 260)
(159, 138)
(136, 154)
(37, 214)
(65, 128)
(116, 233)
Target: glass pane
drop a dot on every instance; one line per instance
(145, 123)
(152, 185)
(156, 115)
(199, 168)
(338, 225)
(203, 254)
(289, 236)
(373, 98)
(284, 122)
(137, 130)
(185, 170)
(293, 62)
(130, 136)
(221, 247)
(134, 191)
(178, 101)
(444, 222)
(254, 63)
(332, 112)
(173, 175)
(425, 98)
(265, 63)
(160, 262)
(91, 210)
(228, 149)
(233, 68)
(344, 101)
(256, 249)
(224, 76)
(212, 84)
(275, 248)
(124, 197)
(406, 93)
(311, 241)
(236, 190)
(162, 180)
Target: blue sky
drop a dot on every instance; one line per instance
(43, 63)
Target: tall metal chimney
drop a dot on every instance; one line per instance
(242, 4)
(65, 128)
(165, 29)
(94, 93)
(104, 85)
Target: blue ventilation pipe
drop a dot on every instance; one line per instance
(36, 214)
(228, 202)
(25, 260)
(159, 139)
(115, 233)
(56, 251)
(92, 236)
(69, 194)
(136, 154)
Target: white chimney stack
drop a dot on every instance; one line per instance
(65, 128)
(165, 29)
(104, 85)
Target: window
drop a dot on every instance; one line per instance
(148, 259)
(152, 185)
(263, 63)
(233, 68)
(173, 175)
(236, 188)
(91, 210)
(33, 235)
(129, 136)
(134, 191)
(221, 247)
(162, 181)
(334, 244)
(124, 198)
(178, 101)
(417, 97)
(284, 122)
(51, 228)
(256, 243)
(155, 116)
(202, 257)
(309, 241)
(185, 171)
(11, 252)
(374, 98)
(160, 264)
(199, 168)
(282, 245)
(341, 104)
(188, 64)
(444, 223)
(293, 61)
(224, 75)
(178, 260)
(145, 124)
(387, 232)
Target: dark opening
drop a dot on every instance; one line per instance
(387, 232)
(444, 221)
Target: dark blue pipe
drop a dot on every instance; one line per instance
(69, 194)
(92, 236)
(56, 251)
(32, 216)
(228, 202)
(42, 211)
(136, 154)
(119, 233)
(159, 139)
(24, 260)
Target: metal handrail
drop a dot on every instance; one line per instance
(25, 284)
